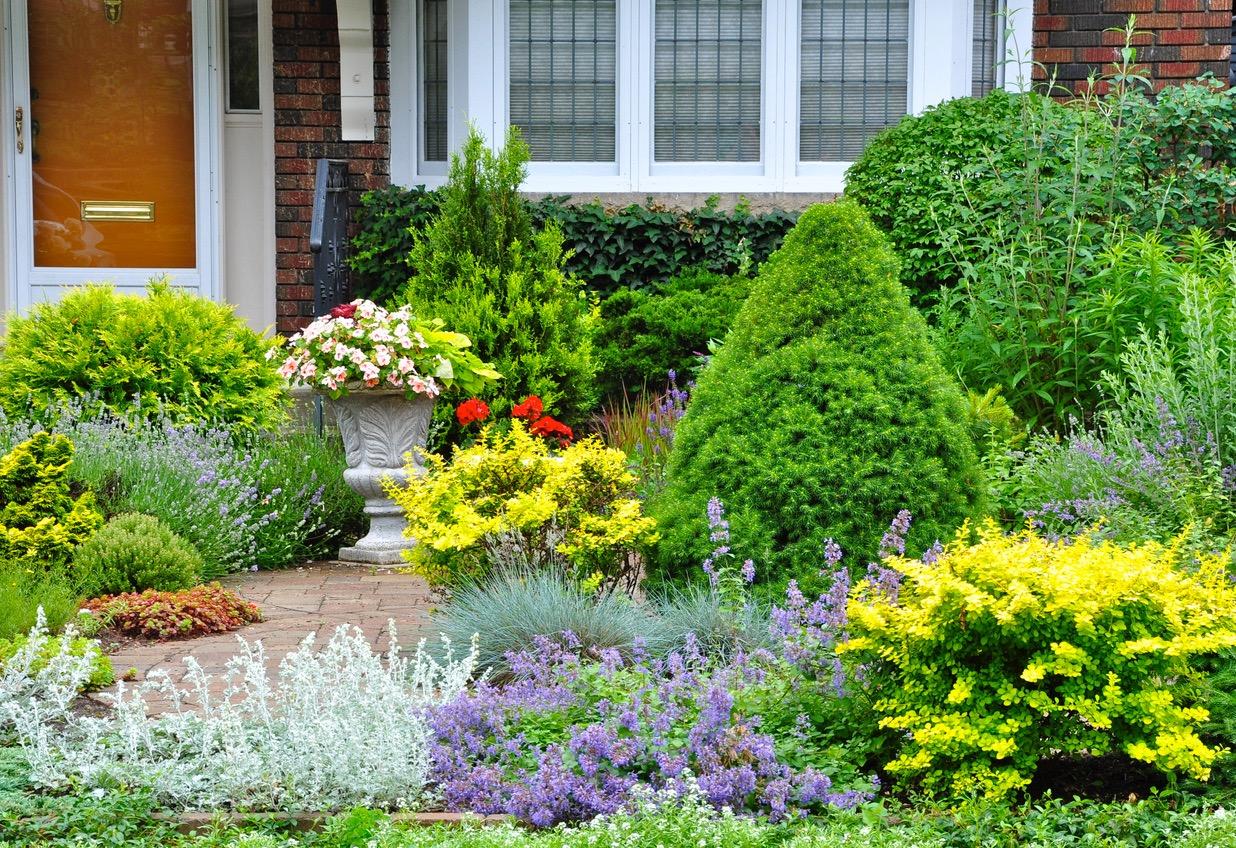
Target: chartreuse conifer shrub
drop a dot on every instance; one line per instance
(41, 522)
(996, 655)
(485, 270)
(169, 353)
(824, 414)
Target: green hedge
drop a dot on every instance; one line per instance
(645, 334)
(636, 246)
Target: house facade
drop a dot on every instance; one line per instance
(180, 136)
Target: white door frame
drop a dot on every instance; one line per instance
(27, 284)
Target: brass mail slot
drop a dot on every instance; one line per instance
(118, 210)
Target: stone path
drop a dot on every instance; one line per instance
(295, 602)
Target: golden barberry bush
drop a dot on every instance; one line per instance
(999, 654)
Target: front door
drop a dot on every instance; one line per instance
(112, 144)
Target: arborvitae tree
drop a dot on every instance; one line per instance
(484, 269)
(825, 412)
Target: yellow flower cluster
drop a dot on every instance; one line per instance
(509, 499)
(1003, 652)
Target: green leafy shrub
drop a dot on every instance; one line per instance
(199, 611)
(133, 553)
(24, 589)
(390, 219)
(101, 674)
(907, 177)
(489, 274)
(40, 520)
(609, 249)
(640, 246)
(824, 411)
(1188, 153)
(646, 334)
(993, 656)
(169, 353)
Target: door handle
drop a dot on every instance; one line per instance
(21, 116)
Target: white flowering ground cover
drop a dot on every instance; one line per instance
(336, 726)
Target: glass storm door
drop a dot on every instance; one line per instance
(110, 147)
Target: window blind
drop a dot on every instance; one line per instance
(433, 80)
(707, 67)
(855, 67)
(987, 68)
(563, 71)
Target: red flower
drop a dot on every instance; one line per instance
(471, 411)
(531, 409)
(551, 428)
(345, 310)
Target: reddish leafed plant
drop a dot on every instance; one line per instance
(174, 615)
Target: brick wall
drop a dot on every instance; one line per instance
(1178, 39)
(306, 37)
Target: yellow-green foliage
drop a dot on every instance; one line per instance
(507, 500)
(40, 520)
(1001, 653)
(170, 352)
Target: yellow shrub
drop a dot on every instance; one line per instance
(508, 500)
(1001, 653)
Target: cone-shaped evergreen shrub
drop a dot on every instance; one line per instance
(825, 412)
(484, 269)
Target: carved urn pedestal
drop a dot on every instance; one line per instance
(379, 427)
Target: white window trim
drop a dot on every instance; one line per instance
(478, 92)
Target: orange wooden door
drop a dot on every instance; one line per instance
(111, 133)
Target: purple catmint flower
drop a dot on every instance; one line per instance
(748, 571)
(894, 539)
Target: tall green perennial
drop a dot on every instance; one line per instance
(484, 269)
(824, 414)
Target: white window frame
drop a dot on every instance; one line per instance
(478, 91)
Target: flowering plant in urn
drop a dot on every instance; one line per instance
(382, 370)
(360, 345)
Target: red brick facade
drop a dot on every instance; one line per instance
(1177, 39)
(306, 42)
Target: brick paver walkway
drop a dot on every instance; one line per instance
(295, 602)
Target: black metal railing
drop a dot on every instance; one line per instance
(328, 235)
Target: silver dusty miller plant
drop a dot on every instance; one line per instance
(336, 727)
(33, 692)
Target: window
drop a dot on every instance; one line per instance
(855, 67)
(243, 88)
(987, 68)
(433, 29)
(563, 73)
(707, 69)
(669, 96)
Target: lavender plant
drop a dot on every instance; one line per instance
(337, 727)
(1124, 483)
(243, 500)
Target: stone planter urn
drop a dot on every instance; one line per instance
(380, 426)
